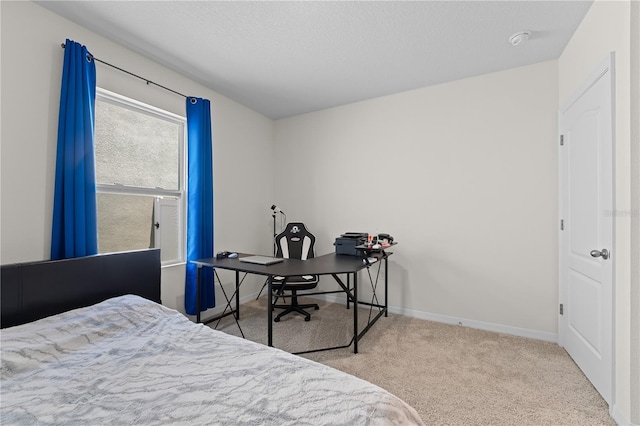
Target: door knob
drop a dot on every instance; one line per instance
(604, 253)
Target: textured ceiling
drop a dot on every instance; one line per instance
(288, 58)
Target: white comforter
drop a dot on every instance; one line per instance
(130, 361)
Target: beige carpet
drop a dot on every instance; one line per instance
(451, 375)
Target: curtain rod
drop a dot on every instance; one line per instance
(135, 75)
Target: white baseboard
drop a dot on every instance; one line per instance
(446, 319)
(464, 322)
(619, 417)
(249, 297)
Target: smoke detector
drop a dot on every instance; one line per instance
(519, 37)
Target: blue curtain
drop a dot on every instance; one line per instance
(74, 231)
(199, 204)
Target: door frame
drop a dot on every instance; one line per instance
(607, 65)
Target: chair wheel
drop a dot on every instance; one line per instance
(307, 318)
(276, 319)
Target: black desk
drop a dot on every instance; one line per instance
(328, 264)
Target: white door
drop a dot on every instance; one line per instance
(586, 238)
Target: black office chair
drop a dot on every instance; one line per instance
(295, 242)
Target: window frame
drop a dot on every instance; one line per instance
(104, 95)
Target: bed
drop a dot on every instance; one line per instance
(114, 355)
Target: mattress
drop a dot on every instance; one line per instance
(128, 360)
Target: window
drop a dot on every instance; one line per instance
(140, 163)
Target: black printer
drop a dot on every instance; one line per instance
(346, 243)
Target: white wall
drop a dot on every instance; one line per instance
(606, 28)
(463, 175)
(31, 75)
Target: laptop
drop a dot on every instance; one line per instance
(261, 260)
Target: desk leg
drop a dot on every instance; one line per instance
(198, 285)
(237, 295)
(386, 281)
(348, 287)
(355, 312)
(269, 311)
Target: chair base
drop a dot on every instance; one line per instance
(295, 307)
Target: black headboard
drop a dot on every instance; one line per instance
(35, 290)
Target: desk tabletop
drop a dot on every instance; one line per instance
(368, 248)
(326, 264)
